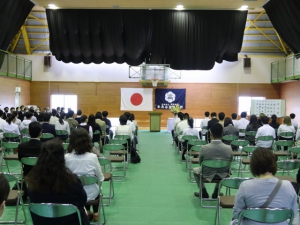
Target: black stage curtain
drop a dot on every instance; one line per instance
(186, 40)
(12, 16)
(285, 18)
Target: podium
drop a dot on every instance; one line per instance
(155, 121)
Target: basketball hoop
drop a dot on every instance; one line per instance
(154, 82)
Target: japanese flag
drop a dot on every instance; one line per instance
(136, 99)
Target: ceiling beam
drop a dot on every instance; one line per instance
(15, 41)
(40, 44)
(43, 21)
(36, 27)
(282, 44)
(26, 40)
(249, 25)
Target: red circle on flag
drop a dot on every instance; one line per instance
(136, 99)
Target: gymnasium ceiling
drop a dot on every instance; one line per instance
(260, 38)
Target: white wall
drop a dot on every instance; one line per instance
(227, 72)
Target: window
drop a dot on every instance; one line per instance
(245, 103)
(67, 101)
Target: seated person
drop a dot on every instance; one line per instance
(85, 126)
(50, 181)
(4, 192)
(53, 117)
(211, 122)
(229, 129)
(265, 130)
(46, 127)
(108, 124)
(72, 122)
(31, 148)
(242, 124)
(62, 125)
(11, 127)
(124, 129)
(204, 124)
(18, 122)
(180, 127)
(254, 193)
(215, 150)
(81, 161)
(79, 113)
(252, 126)
(234, 119)
(287, 126)
(221, 116)
(176, 121)
(25, 123)
(95, 126)
(189, 131)
(294, 122)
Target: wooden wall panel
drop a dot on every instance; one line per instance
(96, 96)
(7, 91)
(291, 93)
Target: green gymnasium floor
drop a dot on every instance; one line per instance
(156, 191)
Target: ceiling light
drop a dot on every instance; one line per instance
(179, 7)
(244, 7)
(52, 6)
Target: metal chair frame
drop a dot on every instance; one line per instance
(6, 146)
(249, 150)
(106, 162)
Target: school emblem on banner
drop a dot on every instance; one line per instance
(165, 98)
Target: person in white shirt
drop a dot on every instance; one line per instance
(53, 118)
(123, 128)
(2, 122)
(81, 161)
(176, 121)
(265, 130)
(287, 126)
(204, 124)
(33, 118)
(85, 126)
(18, 122)
(234, 119)
(180, 127)
(294, 122)
(62, 125)
(10, 126)
(242, 123)
(298, 134)
(189, 131)
(25, 123)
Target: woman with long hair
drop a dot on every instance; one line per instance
(50, 181)
(229, 129)
(252, 126)
(61, 124)
(254, 193)
(95, 126)
(81, 161)
(189, 131)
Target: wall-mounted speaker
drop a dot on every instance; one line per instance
(247, 62)
(47, 60)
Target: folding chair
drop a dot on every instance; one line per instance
(116, 159)
(27, 161)
(124, 152)
(186, 138)
(239, 153)
(24, 133)
(245, 161)
(46, 137)
(176, 147)
(7, 146)
(53, 210)
(294, 152)
(227, 201)
(250, 136)
(25, 139)
(14, 197)
(213, 164)
(287, 166)
(193, 153)
(11, 137)
(227, 139)
(281, 144)
(286, 134)
(205, 131)
(243, 132)
(62, 134)
(108, 177)
(88, 180)
(267, 215)
(266, 138)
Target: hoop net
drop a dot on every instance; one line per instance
(154, 82)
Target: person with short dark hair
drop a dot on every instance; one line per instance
(101, 123)
(50, 181)
(189, 131)
(215, 150)
(176, 121)
(294, 122)
(5, 113)
(72, 122)
(61, 124)
(211, 122)
(242, 124)
(83, 124)
(25, 123)
(254, 193)
(12, 109)
(81, 161)
(124, 128)
(57, 112)
(252, 126)
(221, 116)
(265, 130)
(31, 148)
(234, 119)
(108, 124)
(46, 127)
(204, 124)
(10, 126)
(4, 192)
(180, 127)
(77, 118)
